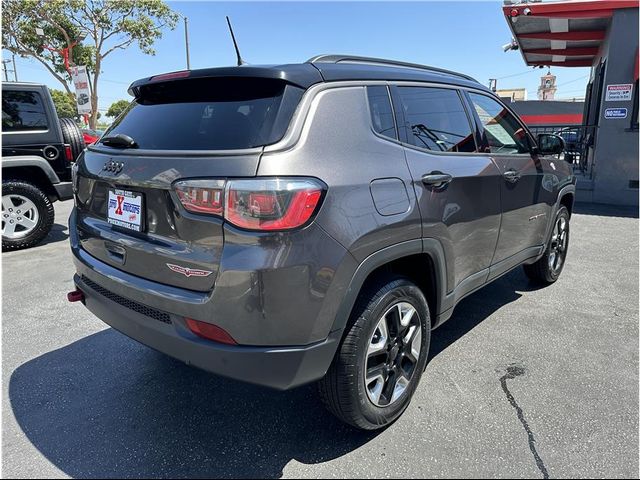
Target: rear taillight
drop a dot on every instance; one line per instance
(209, 331)
(262, 204)
(202, 196)
(271, 203)
(68, 153)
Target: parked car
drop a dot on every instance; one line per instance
(571, 137)
(289, 224)
(91, 136)
(38, 150)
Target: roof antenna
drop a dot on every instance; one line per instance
(235, 44)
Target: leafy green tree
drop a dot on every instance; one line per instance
(117, 108)
(106, 25)
(65, 103)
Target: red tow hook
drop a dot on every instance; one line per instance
(75, 296)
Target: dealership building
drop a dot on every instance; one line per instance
(603, 35)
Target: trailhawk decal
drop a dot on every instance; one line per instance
(189, 272)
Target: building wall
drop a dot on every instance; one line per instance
(616, 150)
(514, 94)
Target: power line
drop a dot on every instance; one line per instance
(515, 74)
(574, 80)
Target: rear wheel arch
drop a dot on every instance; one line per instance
(33, 175)
(421, 261)
(567, 200)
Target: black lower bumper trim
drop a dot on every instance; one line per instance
(281, 368)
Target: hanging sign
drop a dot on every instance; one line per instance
(81, 84)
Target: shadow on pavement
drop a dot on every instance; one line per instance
(105, 406)
(478, 306)
(605, 210)
(58, 233)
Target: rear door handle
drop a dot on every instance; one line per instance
(511, 176)
(436, 179)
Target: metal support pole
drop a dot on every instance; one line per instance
(186, 41)
(15, 70)
(4, 68)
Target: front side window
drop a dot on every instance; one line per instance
(381, 111)
(436, 120)
(503, 131)
(23, 111)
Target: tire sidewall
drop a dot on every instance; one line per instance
(45, 213)
(405, 291)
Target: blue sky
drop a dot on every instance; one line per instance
(462, 36)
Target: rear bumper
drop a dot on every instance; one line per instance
(281, 368)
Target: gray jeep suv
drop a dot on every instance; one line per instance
(288, 224)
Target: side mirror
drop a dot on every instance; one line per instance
(550, 144)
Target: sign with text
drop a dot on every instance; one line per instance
(81, 84)
(615, 113)
(619, 93)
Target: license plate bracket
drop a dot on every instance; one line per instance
(125, 209)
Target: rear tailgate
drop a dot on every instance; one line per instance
(174, 247)
(177, 128)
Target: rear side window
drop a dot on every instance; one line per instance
(209, 114)
(381, 111)
(23, 111)
(436, 119)
(503, 131)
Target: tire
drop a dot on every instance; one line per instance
(17, 194)
(72, 135)
(548, 268)
(344, 390)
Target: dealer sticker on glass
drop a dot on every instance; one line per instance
(125, 209)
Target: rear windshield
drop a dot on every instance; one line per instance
(209, 114)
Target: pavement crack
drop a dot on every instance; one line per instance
(514, 371)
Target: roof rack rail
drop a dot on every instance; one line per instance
(381, 61)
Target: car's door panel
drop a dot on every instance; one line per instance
(458, 191)
(527, 192)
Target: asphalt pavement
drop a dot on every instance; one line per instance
(522, 382)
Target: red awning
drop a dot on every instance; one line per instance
(565, 34)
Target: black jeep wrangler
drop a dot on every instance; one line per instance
(38, 150)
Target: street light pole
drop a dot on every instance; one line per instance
(186, 40)
(15, 70)
(4, 67)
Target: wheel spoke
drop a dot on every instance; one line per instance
(9, 229)
(27, 206)
(380, 338)
(7, 203)
(406, 314)
(413, 353)
(393, 316)
(399, 387)
(375, 384)
(389, 388)
(27, 223)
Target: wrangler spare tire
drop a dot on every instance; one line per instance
(72, 135)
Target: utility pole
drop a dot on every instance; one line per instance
(15, 70)
(4, 68)
(186, 40)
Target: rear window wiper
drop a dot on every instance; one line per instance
(119, 141)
